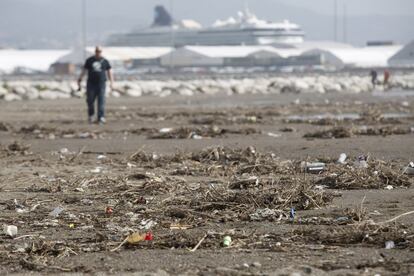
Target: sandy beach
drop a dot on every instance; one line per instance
(192, 170)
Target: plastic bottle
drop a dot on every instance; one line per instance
(226, 241)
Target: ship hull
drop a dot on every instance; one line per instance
(209, 37)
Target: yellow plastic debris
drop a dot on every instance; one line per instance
(135, 238)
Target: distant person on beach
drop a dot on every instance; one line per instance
(99, 70)
(387, 76)
(374, 77)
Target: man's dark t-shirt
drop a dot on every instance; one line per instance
(97, 70)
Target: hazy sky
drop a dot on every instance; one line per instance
(357, 7)
(57, 23)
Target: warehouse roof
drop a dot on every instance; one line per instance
(404, 57)
(116, 53)
(227, 51)
(36, 60)
(374, 56)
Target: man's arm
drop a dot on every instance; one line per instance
(83, 73)
(111, 78)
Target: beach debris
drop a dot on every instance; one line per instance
(382, 131)
(199, 243)
(86, 201)
(149, 236)
(17, 148)
(361, 162)
(101, 157)
(86, 135)
(223, 185)
(10, 230)
(56, 212)
(405, 103)
(136, 238)
(274, 135)
(389, 187)
(336, 132)
(315, 167)
(292, 214)
(266, 214)
(147, 224)
(42, 132)
(376, 174)
(223, 119)
(342, 220)
(19, 207)
(196, 136)
(4, 127)
(287, 129)
(347, 132)
(177, 226)
(166, 130)
(109, 210)
(409, 170)
(197, 132)
(130, 165)
(342, 158)
(389, 245)
(227, 241)
(96, 170)
(360, 232)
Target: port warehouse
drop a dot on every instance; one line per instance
(330, 55)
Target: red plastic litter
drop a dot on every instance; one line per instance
(149, 237)
(109, 210)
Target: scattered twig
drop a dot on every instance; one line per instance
(103, 152)
(32, 264)
(397, 217)
(199, 243)
(120, 245)
(25, 236)
(78, 154)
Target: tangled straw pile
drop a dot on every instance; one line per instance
(347, 132)
(378, 175)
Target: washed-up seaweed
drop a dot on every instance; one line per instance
(347, 132)
(42, 132)
(192, 132)
(377, 175)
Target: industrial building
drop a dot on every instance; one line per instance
(120, 57)
(329, 55)
(403, 58)
(366, 57)
(28, 61)
(236, 56)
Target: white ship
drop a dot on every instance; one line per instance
(246, 29)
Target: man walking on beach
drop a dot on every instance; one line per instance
(374, 77)
(99, 70)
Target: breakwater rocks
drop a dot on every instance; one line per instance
(51, 90)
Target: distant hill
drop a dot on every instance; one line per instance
(57, 24)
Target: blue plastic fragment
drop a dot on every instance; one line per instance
(292, 213)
